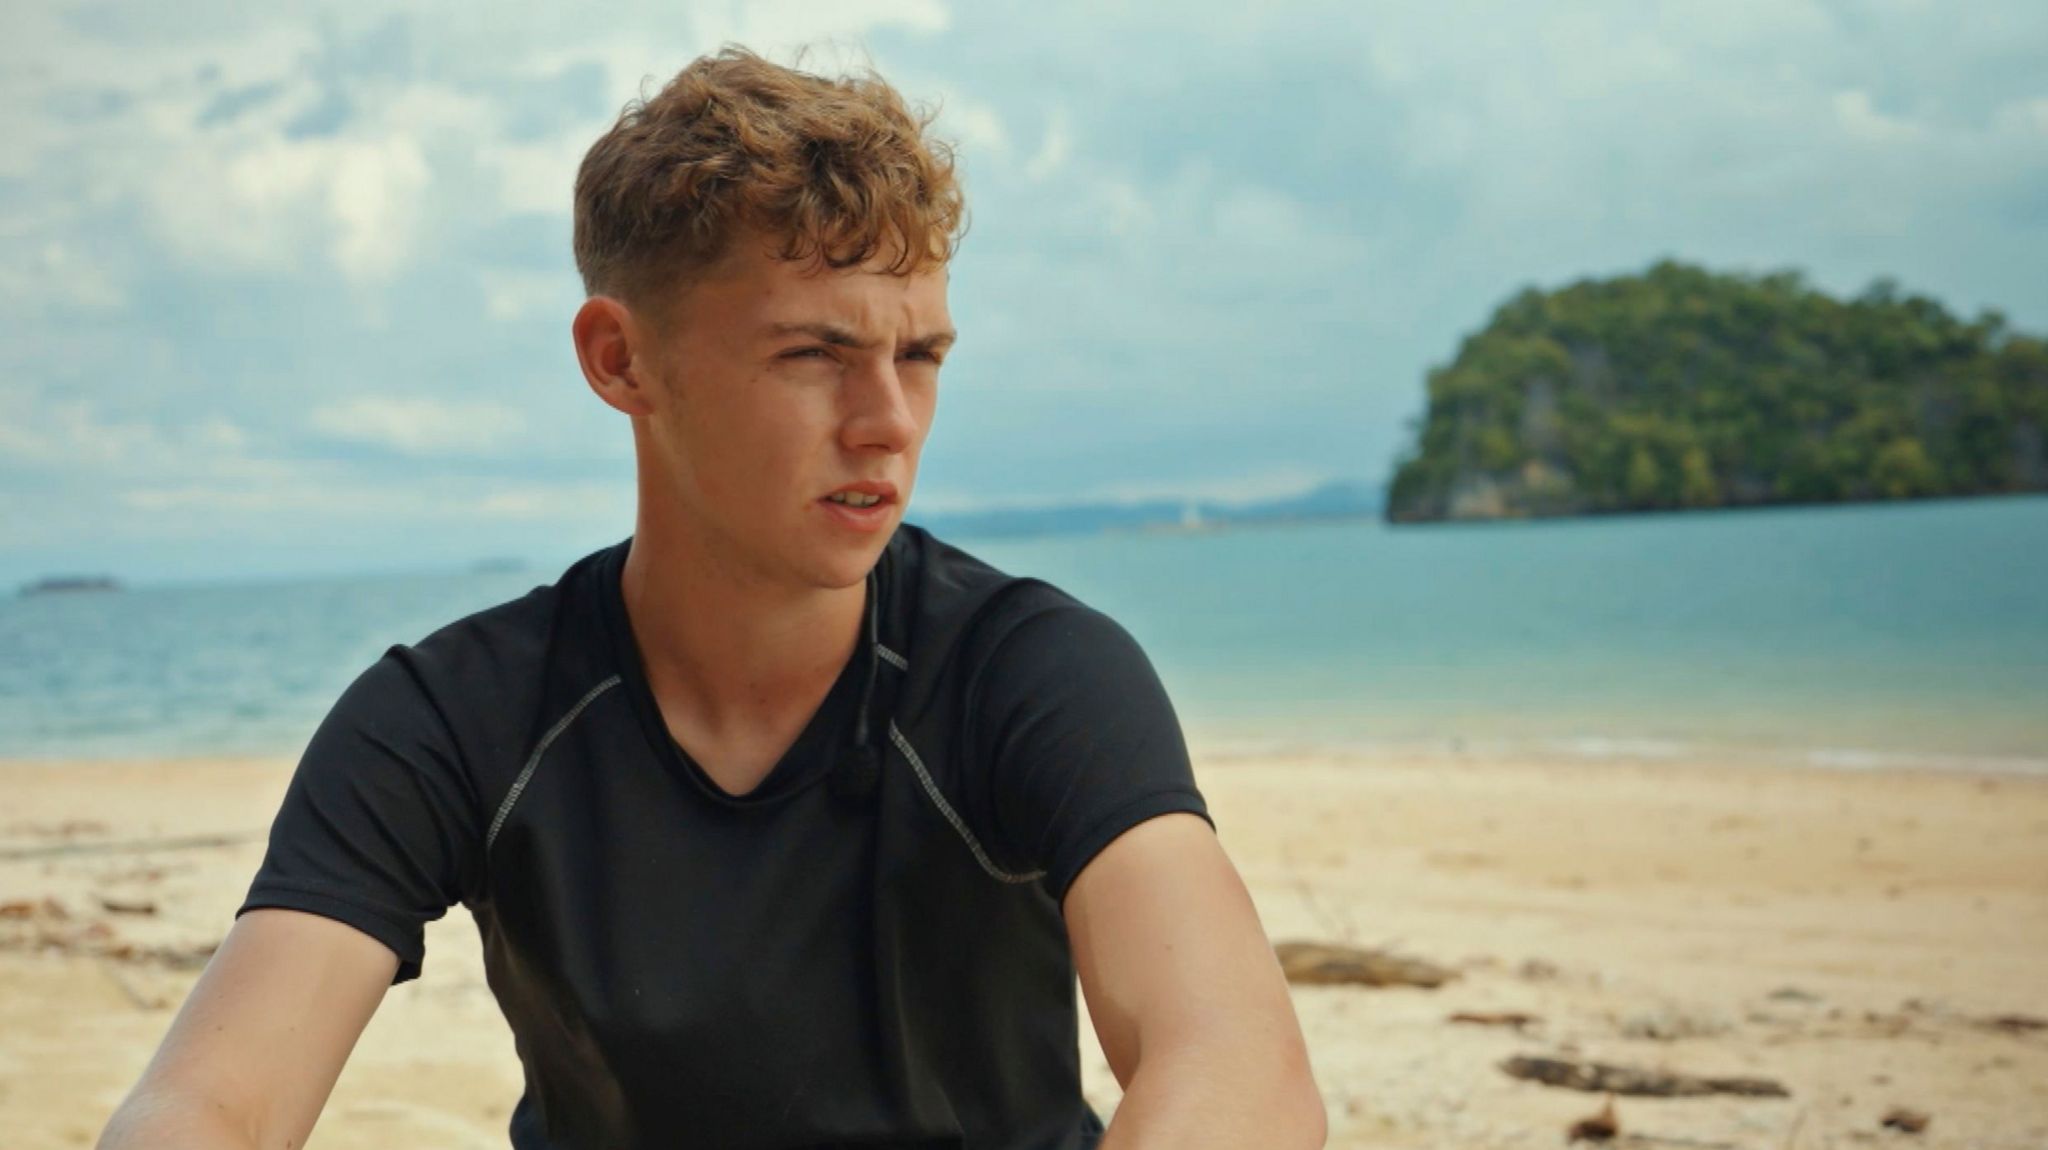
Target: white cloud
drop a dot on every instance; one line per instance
(539, 177)
(374, 195)
(58, 273)
(246, 193)
(1125, 208)
(1231, 232)
(1053, 150)
(397, 500)
(261, 205)
(511, 295)
(46, 54)
(238, 191)
(216, 499)
(2023, 117)
(194, 478)
(420, 426)
(1862, 121)
(76, 435)
(777, 26)
(562, 501)
(394, 500)
(974, 125)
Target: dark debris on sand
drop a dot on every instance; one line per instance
(1604, 1078)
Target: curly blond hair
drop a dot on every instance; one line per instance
(839, 170)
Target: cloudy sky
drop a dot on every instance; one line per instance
(285, 287)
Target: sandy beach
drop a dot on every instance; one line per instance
(1868, 941)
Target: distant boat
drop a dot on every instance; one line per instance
(58, 584)
(1191, 520)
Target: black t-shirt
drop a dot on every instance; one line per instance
(791, 967)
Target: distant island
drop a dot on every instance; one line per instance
(1328, 502)
(1683, 388)
(62, 584)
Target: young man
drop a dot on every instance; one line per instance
(784, 824)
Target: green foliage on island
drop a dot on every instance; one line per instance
(1683, 388)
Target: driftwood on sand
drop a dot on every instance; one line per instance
(1601, 1127)
(2014, 1023)
(1322, 964)
(1603, 1078)
(1903, 1119)
(1513, 1019)
(136, 846)
(46, 926)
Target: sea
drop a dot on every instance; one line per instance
(1903, 635)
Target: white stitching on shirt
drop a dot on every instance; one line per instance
(526, 773)
(953, 817)
(892, 658)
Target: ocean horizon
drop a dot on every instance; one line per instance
(1845, 637)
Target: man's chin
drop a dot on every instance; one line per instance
(846, 566)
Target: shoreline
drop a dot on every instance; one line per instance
(1209, 748)
(1627, 752)
(1848, 934)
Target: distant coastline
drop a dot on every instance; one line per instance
(1329, 502)
(1881, 635)
(70, 584)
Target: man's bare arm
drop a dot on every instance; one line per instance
(1188, 998)
(258, 1044)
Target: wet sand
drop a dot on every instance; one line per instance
(1853, 936)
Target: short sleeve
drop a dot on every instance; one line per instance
(378, 828)
(1080, 741)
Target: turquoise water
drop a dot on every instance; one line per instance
(1912, 635)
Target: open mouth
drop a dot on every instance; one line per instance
(863, 506)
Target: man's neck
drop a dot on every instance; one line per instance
(726, 649)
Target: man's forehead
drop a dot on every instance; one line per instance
(756, 252)
(754, 292)
(861, 298)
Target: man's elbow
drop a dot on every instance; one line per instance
(1298, 1116)
(165, 1118)
(1270, 1068)
(1227, 1093)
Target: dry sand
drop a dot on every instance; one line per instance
(1846, 934)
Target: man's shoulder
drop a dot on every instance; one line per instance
(983, 637)
(952, 579)
(962, 602)
(493, 659)
(520, 625)
(1029, 629)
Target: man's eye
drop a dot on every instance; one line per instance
(926, 356)
(804, 353)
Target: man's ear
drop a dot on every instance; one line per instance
(612, 348)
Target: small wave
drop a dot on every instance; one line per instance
(1242, 745)
(1861, 759)
(1603, 747)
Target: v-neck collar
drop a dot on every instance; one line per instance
(809, 757)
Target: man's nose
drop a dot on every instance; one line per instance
(879, 414)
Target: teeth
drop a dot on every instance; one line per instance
(854, 499)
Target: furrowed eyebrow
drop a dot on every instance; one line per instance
(937, 341)
(838, 336)
(822, 332)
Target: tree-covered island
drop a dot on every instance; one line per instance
(1683, 388)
